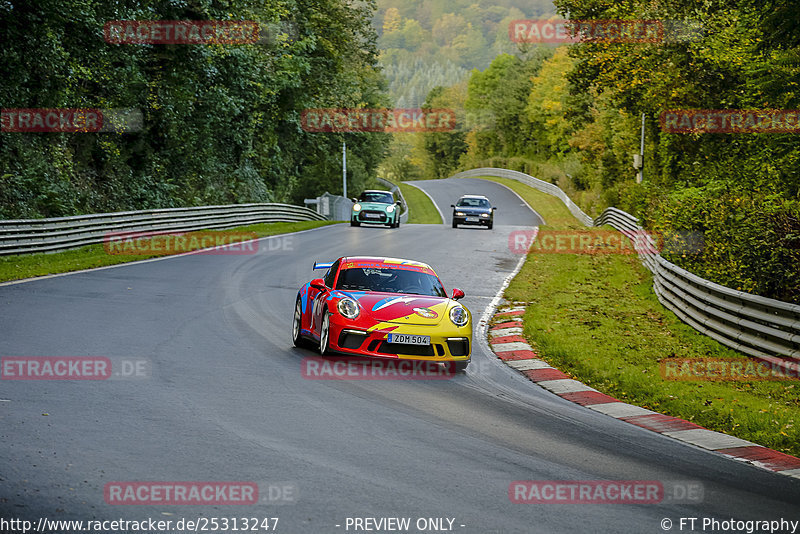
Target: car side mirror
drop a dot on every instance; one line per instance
(493, 208)
(452, 205)
(318, 283)
(354, 200)
(457, 294)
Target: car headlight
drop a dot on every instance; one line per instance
(459, 316)
(484, 215)
(356, 207)
(389, 209)
(460, 213)
(349, 308)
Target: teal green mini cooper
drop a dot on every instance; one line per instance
(375, 207)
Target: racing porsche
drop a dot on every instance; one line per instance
(383, 308)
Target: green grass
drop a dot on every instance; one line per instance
(422, 210)
(30, 265)
(596, 318)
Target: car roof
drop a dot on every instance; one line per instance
(473, 196)
(382, 261)
(375, 191)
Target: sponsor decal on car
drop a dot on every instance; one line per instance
(426, 312)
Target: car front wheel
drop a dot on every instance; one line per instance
(355, 223)
(324, 333)
(297, 324)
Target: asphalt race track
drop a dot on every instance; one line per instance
(225, 400)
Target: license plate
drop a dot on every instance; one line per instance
(372, 216)
(409, 339)
(472, 219)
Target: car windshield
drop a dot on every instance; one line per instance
(383, 198)
(390, 280)
(473, 203)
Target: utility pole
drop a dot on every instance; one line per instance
(344, 169)
(640, 176)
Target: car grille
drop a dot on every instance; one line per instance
(402, 348)
(381, 218)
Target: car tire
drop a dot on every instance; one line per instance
(324, 334)
(490, 225)
(397, 223)
(455, 224)
(297, 325)
(355, 223)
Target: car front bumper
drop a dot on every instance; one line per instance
(379, 217)
(482, 221)
(447, 343)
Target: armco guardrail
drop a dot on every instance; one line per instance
(765, 328)
(768, 329)
(61, 233)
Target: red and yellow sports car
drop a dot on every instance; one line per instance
(383, 308)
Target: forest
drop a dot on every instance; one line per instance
(572, 115)
(428, 43)
(220, 122)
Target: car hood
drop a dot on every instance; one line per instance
(401, 309)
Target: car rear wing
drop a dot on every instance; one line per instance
(320, 265)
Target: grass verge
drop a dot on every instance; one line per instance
(30, 265)
(596, 318)
(422, 210)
